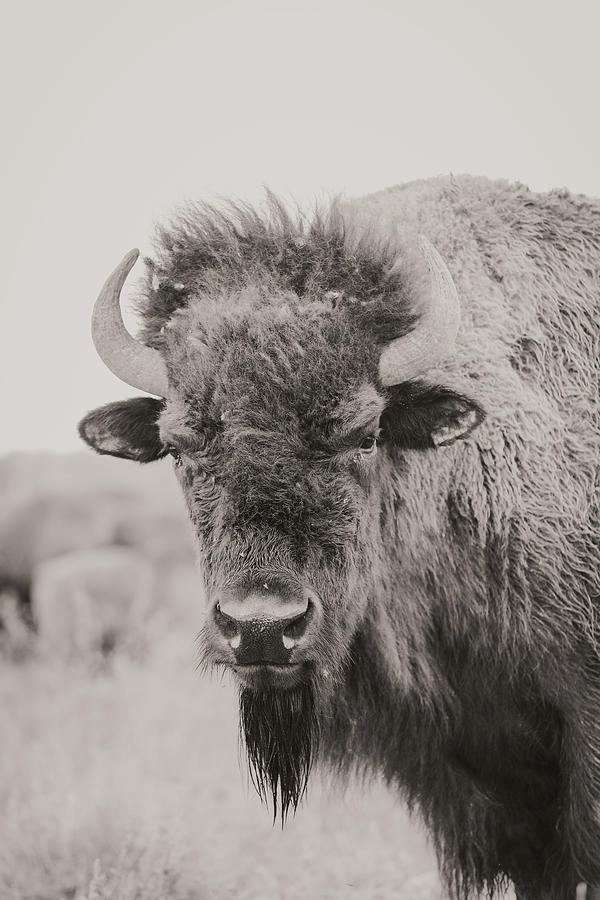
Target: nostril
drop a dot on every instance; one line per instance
(228, 626)
(296, 628)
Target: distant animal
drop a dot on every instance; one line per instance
(385, 422)
(92, 601)
(46, 524)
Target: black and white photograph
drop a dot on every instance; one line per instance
(300, 450)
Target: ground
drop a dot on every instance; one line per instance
(125, 782)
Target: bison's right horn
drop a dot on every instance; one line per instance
(128, 359)
(434, 335)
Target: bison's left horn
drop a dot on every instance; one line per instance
(128, 359)
(434, 335)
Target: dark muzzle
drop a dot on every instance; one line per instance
(267, 624)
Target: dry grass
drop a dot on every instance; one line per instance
(125, 784)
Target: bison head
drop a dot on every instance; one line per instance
(286, 413)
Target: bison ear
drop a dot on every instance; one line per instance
(419, 416)
(127, 428)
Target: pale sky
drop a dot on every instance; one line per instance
(114, 112)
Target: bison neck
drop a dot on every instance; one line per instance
(474, 754)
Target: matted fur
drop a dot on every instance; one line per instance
(280, 731)
(459, 650)
(214, 252)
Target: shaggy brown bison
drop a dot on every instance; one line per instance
(385, 422)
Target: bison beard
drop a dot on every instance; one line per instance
(281, 732)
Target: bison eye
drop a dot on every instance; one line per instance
(368, 444)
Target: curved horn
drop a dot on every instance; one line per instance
(128, 359)
(434, 335)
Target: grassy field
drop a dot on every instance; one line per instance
(124, 782)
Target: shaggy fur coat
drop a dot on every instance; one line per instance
(471, 677)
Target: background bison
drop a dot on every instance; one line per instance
(92, 601)
(55, 508)
(399, 585)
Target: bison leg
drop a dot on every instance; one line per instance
(581, 764)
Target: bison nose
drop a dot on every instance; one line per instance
(263, 628)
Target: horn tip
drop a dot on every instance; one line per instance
(131, 258)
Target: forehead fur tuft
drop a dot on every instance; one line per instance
(206, 252)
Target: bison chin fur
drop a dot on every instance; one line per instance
(280, 730)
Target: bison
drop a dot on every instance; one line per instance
(43, 525)
(90, 602)
(385, 421)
